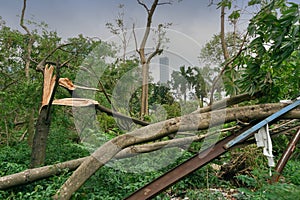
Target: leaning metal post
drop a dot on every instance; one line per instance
(286, 156)
(269, 119)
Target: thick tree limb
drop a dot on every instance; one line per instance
(230, 101)
(22, 18)
(228, 63)
(43, 123)
(223, 42)
(228, 60)
(40, 66)
(31, 175)
(34, 174)
(144, 60)
(196, 121)
(81, 102)
(30, 41)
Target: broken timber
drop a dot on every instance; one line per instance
(171, 177)
(202, 158)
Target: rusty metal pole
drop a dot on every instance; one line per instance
(152, 189)
(286, 156)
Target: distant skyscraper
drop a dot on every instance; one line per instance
(164, 69)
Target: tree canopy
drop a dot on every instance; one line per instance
(91, 116)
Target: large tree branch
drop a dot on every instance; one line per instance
(41, 64)
(30, 41)
(31, 175)
(155, 131)
(22, 18)
(144, 5)
(81, 102)
(157, 50)
(228, 60)
(227, 64)
(67, 84)
(227, 102)
(223, 41)
(148, 26)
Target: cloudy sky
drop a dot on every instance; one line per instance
(194, 22)
(72, 17)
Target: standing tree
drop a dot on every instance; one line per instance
(179, 83)
(270, 64)
(228, 53)
(119, 29)
(144, 59)
(48, 50)
(190, 79)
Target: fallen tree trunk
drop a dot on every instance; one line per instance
(31, 175)
(230, 101)
(34, 174)
(195, 121)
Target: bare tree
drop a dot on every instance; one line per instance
(27, 60)
(31, 40)
(120, 29)
(144, 59)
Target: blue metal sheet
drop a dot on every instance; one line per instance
(256, 127)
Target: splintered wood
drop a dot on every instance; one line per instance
(67, 83)
(77, 102)
(49, 83)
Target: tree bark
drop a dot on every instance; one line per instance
(228, 61)
(38, 153)
(222, 35)
(30, 42)
(144, 60)
(196, 121)
(230, 101)
(31, 175)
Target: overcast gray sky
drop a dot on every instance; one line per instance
(194, 22)
(72, 17)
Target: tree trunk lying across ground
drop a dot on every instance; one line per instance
(194, 121)
(31, 175)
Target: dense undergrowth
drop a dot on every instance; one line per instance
(114, 183)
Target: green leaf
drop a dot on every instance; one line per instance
(225, 3)
(253, 2)
(234, 15)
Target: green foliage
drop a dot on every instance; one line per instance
(275, 191)
(212, 54)
(192, 80)
(204, 194)
(291, 172)
(161, 94)
(271, 62)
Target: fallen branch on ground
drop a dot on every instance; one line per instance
(195, 121)
(31, 175)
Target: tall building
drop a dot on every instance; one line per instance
(163, 69)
